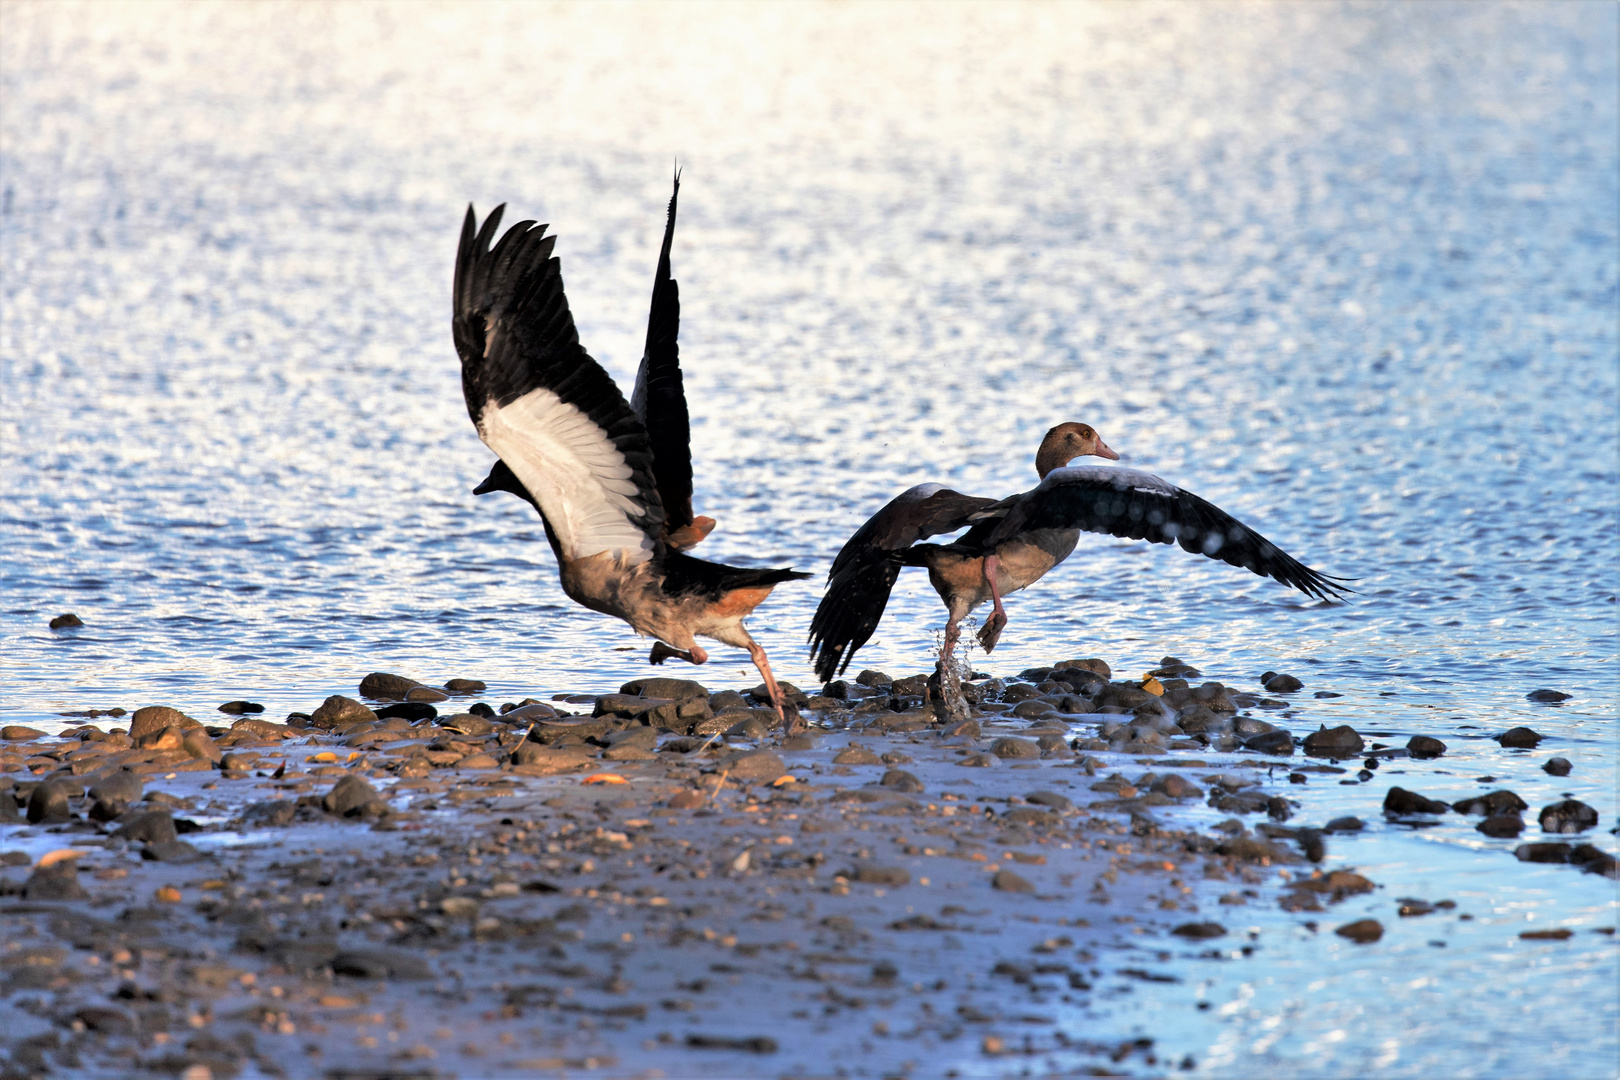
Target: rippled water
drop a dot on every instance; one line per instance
(1348, 272)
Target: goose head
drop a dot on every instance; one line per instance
(1066, 442)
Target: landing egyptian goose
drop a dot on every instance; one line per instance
(612, 480)
(1015, 541)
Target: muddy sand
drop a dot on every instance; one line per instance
(662, 882)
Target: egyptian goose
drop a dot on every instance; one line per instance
(1015, 541)
(612, 480)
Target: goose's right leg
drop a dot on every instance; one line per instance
(662, 652)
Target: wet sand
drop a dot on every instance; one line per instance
(660, 882)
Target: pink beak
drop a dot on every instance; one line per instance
(1103, 451)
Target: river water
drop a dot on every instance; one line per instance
(1347, 271)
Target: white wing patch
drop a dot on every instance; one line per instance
(1134, 479)
(581, 481)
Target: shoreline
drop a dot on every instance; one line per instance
(466, 896)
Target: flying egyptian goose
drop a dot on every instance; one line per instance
(612, 480)
(1015, 541)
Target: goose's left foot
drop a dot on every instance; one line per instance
(662, 652)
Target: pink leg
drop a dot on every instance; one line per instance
(764, 665)
(951, 705)
(662, 652)
(990, 632)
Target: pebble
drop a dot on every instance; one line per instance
(19, 733)
(901, 780)
(1557, 767)
(1568, 816)
(171, 851)
(1519, 738)
(1502, 826)
(1422, 746)
(1340, 742)
(1276, 683)
(1007, 881)
(350, 797)
(1052, 800)
(48, 803)
(154, 718)
(380, 685)
(1177, 788)
(148, 827)
(892, 876)
(56, 882)
(380, 964)
(465, 686)
(1543, 852)
(65, 621)
(237, 708)
(754, 765)
(1563, 933)
(114, 794)
(337, 710)
(1548, 696)
(1200, 931)
(1362, 931)
(1492, 804)
(1010, 746)
(1401, 801)
(856, 754)
(1272, 744)
(426, 694)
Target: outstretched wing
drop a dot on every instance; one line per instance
(1140, 506)
(865, 569)
(541, 403)
(659, 398)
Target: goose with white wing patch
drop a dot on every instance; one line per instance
(1013, 542)
(611, 480)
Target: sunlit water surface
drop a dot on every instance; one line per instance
(1349, 272)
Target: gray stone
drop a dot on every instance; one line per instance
(171, 851)
(856, 754)
(1200, 931)
(1401, 801)
(48, 802)
(1519, 738)
(349, 797)
(114, 794)
(1502, 825)
(154, 718)
(54, 883)
(1007, 881)
(1276, 683)
(1569, 816)
(148, 827)
(382, 686)
(1362, 931)
(66, 621)
(1271, 743)
(754, 765)
(1543, 852)
(872, 874)
(1548, 696)
(1422, 747)
(338, 709)
(1009, 746)
(380, 964)
(1557, 767)
(901, 780)
(673, 689)
(465, 686)
(1340, 742)
(1491, 804)
(1052, 800)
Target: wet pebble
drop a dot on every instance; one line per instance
(1401, 801)
(1568, 816)
(1502, 826)
(171, 851)
(856, 754)
(1277, 683)
(1362, 931)
(48, 802)
(350, 797)
(1557, 767)
(1007, 881)
(465, 686)
(66, 621)
(381, 685)
(1492, 804)
(901, 780)
(56, 882)
(1519, 738)
(148, 827)
(755, 765)
(1272, 744)
(872, 874)
(20, 733)
(1543, 852)
(1340, 742)
(1200, 931)
(1548, 696)
(337, 710)
(113, 795)
(414, 711)
(1010, 746)
(1051, 800)
(380, 964)
(155, 718)
(1422, 747)
(237, 708)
